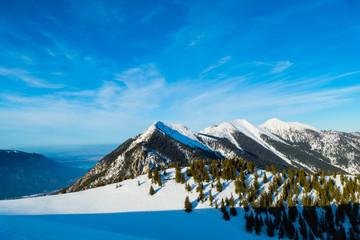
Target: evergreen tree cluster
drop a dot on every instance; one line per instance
(291, 204)
(294, 204)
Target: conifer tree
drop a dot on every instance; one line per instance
(188, 205)
(150, 173)
(222, 206)
(159, 182)
(155, 176)
(211, 198)
(199, 187)
(265, 180)
(232, 206)
(151, 192)
(219, 185)
(201, 195)
(178, 173)
(187, 187)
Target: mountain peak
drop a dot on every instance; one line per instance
(276, 125)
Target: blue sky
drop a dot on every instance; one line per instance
(95, 72)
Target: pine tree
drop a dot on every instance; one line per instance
(151, 192)
(187, 187)
(219, 185)
(222, 206)
(201, 195)
(199, 187)
(159, 182)
(178, 173)
(211, 198)
(265, 180)
(150, 173)
(188, 205)
(232, 206)
(155, 176)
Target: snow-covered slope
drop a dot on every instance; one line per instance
(337, 148)
(279, 127)
(160, 216)
(228, 129)
(126, 210)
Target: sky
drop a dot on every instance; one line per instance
(98, 72)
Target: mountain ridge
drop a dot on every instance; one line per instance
(23, 173)
(163, 144)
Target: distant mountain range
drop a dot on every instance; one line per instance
(24, 174)
(282, 144)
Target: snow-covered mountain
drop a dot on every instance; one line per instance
(339, 149)
(160, 144)
(276, 143)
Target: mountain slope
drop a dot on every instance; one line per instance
(160, 144)
(24, 173)
(264, 148)
(339, 149)
(165, 144)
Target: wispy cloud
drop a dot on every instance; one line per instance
(221, 62)
(281, 66)
(277, 67)
(136, 95)
(23, 75)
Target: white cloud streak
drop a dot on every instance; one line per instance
(221, 62)
(23, 75)
(277, 67)
(281, 66)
